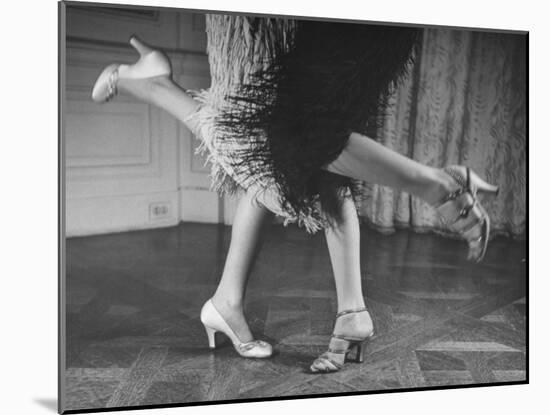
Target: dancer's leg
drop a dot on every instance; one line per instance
(344, 249)
(343, 244)
(164, 93)
(362, 158)
(245, 238)
(365, 159)
(452, 191)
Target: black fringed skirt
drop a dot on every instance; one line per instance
(284, 98)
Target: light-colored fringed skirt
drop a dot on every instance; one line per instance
(237, 49)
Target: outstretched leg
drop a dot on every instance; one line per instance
(365, 159)
(162, 92)
(452, 190)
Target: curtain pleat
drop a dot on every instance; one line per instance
(464, 102)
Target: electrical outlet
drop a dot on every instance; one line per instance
(159, 211)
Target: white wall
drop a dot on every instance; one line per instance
(129, 165)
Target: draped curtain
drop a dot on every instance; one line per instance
(464, 102)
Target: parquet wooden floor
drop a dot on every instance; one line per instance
(134, 335)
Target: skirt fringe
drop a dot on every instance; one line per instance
(285, 97)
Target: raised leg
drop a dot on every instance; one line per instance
(365, 159)
(451, 190)
(164, 93)
(149, 80)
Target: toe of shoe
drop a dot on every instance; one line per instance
(101, 87)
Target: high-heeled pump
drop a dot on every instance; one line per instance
(214, 322)
(342, 348)
(462, 212)
(152, 63)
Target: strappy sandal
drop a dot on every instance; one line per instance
(341, 348)
(461, 211)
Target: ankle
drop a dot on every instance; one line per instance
(227, 302)
(438, 185)
(350, 305)
(146, 89)
(354, 324)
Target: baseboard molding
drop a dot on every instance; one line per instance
(98, 215)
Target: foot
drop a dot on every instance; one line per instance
(461, 211)
(354, 325)
(350, 330)
(144, 89)
(233, 314)
(438, 185)
(138, 78)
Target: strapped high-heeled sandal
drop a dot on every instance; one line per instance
(152, 63)
(461, 211)
(348, 348)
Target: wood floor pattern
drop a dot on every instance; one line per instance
(134, 336)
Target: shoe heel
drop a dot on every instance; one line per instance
(482, 186)
(139, 46)
(211, 334)
(360, 353)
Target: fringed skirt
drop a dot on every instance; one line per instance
(284, 98)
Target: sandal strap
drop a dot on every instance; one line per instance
(325, 357)
(464, 183)
(350, 338)
(464, 215)
(112, 84)
(461, 212)
(244, 347)
(453, 172)
(357, 310)
(337, 351)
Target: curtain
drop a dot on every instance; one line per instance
(463, 102)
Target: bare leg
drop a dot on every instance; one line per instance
(365, 159)
(245, 238)
(228, 299)
(453, 194)
(344, 249)
(164, 93)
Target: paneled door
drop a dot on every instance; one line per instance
(129, 165)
